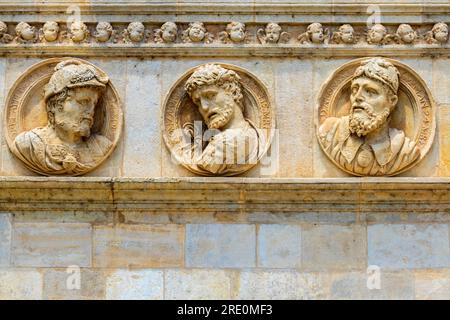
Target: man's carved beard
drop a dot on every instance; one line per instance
(221, 117)
(362, 123)
(81, 128)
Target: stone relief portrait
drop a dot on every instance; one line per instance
(234, 33)
(26, 33)
(4, 36)
(438, 34)
(78, 101)
(104, 32)
(315, 34)
(49, 32)
(196, 32)
(219, 127)
(167, 33)
(272, 34)
(345, 35)
(376, 34)
(78, 32)
(135, 33)
(368, 127)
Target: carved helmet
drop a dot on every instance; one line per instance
(73, 73)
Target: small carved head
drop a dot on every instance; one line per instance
(236, 31)
(136, 31)
(373, 96)
(217, 93)
(197, 31)
(71, 95)
(50, 30)
(273, 31)
(376, 34)
(406, 33)
(3, 28)
(78, 31)
(440, 32)
(315, 32)
(347, 33)
(25, 31)
(169, 31)
(103, 31)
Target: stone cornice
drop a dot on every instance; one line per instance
(240, 195)
(223, 8)
(217, 50)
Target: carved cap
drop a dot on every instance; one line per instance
(71, 74)
(381, 70)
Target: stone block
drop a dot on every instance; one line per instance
(74, 284)
(333, 247)
(432, 284)
(444, 139)
(143, 284)
(280, 285)
(187, 284)
(20, 285)
(294, 108)
(441, 82)
(220, 245)
(51, 244)
(138, 246)
(279, 246)
(5, 239)
(371, 286)
(408, 246)
(142, 135)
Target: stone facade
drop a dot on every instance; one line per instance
(293, 226)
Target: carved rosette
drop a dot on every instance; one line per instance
(25, 110)
(179, 112)
(414, 114)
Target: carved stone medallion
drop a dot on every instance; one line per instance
(63, 116)
(218, 120)
(376, 117)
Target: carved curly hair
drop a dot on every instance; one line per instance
(214, 74)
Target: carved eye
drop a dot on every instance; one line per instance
(354, 89)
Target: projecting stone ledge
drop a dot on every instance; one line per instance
(251, 196)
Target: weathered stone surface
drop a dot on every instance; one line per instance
(289, 285)
(20, 284)
(444, 142)
(142, 149)
(145, 284)
(198, 284)
(355, 286)
(74, 284)
(432, 284)
(220, 245)
(334, 247)
(138, 246)
(298, 100)
(279, 246)
(409, 246)
(51, 244)
(441, 82)
(5, 239)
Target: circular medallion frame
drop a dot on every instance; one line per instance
(178, 110)
(25, 108)
(414, 102)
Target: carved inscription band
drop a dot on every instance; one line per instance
(375, 116)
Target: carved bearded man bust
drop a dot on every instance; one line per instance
(362, 142)
(66, 144)
(233, 140)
